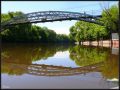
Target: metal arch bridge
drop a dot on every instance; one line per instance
(50, 16)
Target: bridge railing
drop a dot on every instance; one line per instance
(49, 16)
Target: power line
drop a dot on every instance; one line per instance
(88, 5)
(82, 11)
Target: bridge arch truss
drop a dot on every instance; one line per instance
(50, 16)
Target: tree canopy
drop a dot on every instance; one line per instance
(29, 32)
(85, 31)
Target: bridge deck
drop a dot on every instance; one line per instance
(50, 16)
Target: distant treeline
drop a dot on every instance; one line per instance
(30, 33)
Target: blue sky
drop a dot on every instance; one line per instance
(90, 7)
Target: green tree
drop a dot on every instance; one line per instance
(110, 18)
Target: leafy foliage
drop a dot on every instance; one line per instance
(85, 31)
(30, 33)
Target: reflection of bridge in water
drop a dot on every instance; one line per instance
(50, 70)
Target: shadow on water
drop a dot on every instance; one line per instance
(17, 58)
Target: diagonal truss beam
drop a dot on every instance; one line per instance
(50, 16)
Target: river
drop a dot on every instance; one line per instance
(58, 66)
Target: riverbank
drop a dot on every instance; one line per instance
(104, 43)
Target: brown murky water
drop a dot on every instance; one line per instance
(59, 66)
